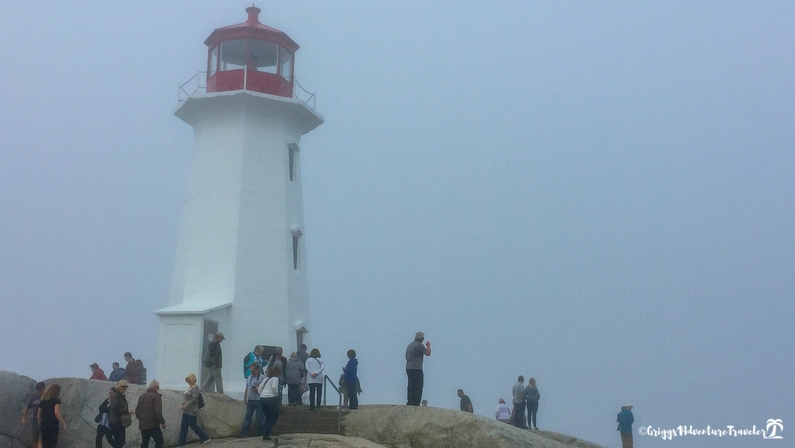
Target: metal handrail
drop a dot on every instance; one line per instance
(185, 94)
(198, 83)
(326, 379)
(312, 95)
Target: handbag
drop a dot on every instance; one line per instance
(126, 420)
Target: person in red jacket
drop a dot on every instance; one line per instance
(97, 373)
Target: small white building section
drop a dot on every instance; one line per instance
(240, 266)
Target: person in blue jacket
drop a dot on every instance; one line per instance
(625, 421)
(351, 378)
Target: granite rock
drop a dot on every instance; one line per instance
(80, 399)
(424, 427)
(15, 391)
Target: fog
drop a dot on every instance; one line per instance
(598, 195)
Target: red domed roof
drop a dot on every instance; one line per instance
(252, 29)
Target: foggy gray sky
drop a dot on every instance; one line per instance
(595, 194)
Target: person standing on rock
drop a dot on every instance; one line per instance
(303, 356)
(103, 422)
(49, 416)
(117, 374)
(269, 396)
(415, 353)
(625, 420)
(532, 396)
(97, 373)
(253, 357)
(466, 403)
(190, 410)
(352, 379)
(32, 409)
(252, 398)
(314, 378)
(214, 362)
(293, 377)
(120, 415)
(518, 403)
(149, 412)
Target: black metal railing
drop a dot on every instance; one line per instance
(328, 380)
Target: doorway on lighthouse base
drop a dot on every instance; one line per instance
(210, 328)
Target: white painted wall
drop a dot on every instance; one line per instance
(235, 241)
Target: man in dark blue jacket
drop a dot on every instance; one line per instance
(352, 378)
(625, 421)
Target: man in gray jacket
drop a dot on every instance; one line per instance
(214, 362)
(518, 403)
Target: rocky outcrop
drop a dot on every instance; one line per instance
(421, 427)
(296, 441)
(367, 427)
(15, 390)
(323, 441)
(80, 400)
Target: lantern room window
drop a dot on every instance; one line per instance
(213, 62)
(286, 64)
(263, 56)
(233, 54)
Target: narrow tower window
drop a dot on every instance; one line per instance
(292, 149)
(296, 247)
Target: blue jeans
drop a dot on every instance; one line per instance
(532, 409)
(189, 421)
(251, 406)
(270, 407)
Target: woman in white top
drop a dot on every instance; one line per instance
(269, 397)
(314, 378)
(503, 413)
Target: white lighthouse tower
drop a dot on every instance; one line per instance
(240, 266)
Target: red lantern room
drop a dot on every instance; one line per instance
(250, 56)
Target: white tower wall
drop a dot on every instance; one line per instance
(234, 263)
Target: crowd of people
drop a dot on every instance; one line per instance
(133, 373)
(265, 381)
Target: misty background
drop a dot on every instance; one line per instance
(598, 195)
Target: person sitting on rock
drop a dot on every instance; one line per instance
(117, 374)
(503, 412)
(134, 372)
(97, 373)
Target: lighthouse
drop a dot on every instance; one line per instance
(240, 266)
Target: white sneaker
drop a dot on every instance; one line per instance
(206, 442)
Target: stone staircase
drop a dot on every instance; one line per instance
(300, 420)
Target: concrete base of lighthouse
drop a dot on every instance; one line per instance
(183, 336)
